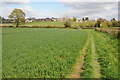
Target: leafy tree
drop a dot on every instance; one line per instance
(99, 22)
(109, 24)
(2, 19)
(17, 16)
(67, 21)
(74, 19)
(86, 18)
(83, 19)
(104, 25)
(115, 23)
(113, 19)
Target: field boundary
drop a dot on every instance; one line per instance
(51, 27)
(96, 65)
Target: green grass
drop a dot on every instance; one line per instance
(54, 24)
(88, 64)
(52, 53)
(39, 23)
(38, 53)
(49, 23)
(107, 49)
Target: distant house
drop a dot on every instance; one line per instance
(5, 21)
(30, 20)
(41, 19)
(79, 21)
(60, 19)
(54, 19)
(46, 19)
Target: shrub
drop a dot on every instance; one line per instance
(104, 25)
(74, 19)
(67, 22)
(97, 24)
(109, 24)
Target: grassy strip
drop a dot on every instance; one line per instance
(88, 64)
(113, 31)
(107, 49)
(52, 24)
(96, 65)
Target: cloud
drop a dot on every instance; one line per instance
(91, 9)
(88, 0)
(90, 5)
(30, 12)
(75, 9)
(5, 10)
(9, 2)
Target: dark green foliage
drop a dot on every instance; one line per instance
(67, 23)
(115, 23)
(109, 24)
(97, 24)
(17, 16)
(74, 19)
(86, 18)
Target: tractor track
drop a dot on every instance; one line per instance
(80, 61)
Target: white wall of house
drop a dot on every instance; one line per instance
(29, 20)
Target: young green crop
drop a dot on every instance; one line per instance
(52, 53)
(39, 52)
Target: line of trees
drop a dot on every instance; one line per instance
(4, 20)
(104, 23)
(87, 23)
(17, 16)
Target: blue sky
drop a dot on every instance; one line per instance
(47, 7)
(42, 9)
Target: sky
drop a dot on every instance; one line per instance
(93, 9)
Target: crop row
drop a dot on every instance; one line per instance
(40, 53)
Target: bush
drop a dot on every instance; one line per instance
(115, 23)
(97, 24)
(109, 24)
(67, 22)
(75, 19)
(104, 25)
